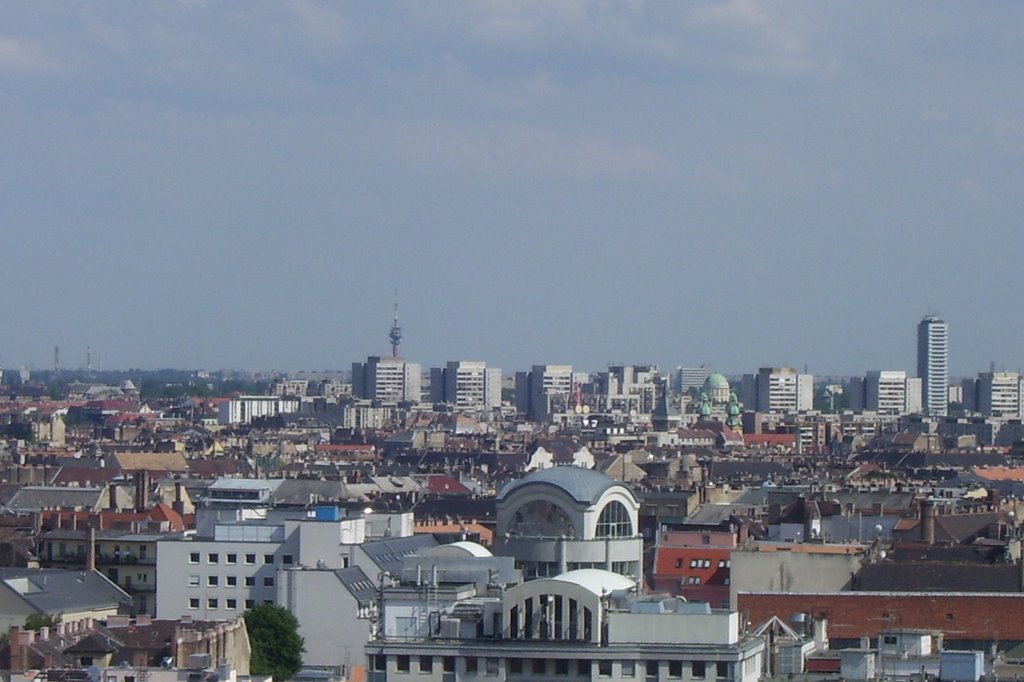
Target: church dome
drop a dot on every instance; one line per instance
(717, 389)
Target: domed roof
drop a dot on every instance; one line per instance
(716, 380)
(597, 580)
(463, 547)
(583, 485)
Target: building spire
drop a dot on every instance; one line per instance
(395, 334)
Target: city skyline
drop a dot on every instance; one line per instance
(246, 186)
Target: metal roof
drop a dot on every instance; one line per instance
(583, 485)
(597, 580)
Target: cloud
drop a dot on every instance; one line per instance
(524, 149)
(20, 56)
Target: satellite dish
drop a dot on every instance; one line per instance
(878, 529)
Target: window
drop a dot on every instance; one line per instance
(629, 669)
(402, 664)
(694, 563)
(604, 668)
(377, 663)
(426, 664)
(722, 669)
(889, 639)
(679, 563)
(193, 557)
(193, 581)
(540, 666)
(249, 603)
(212, 558)
(211, 581)
(698, 670)
(652, 669)
(193, 602)
(471, 665)
(232, 603)
(515, 666)
(211, 603)
(287, 560)
(492, 666)
(448, 663)
(268, 582)
(614, 521)
(231, 580)
(250, 581)
(561, 667)
(231, 558)
(675, 669)
(583, 667)
(268, 558)
(721, 563)
(250, 559)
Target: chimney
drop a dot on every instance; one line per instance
(141, 490)
(90, 548)
(44, 634)
(179, 501)
(928, 522)
(14, 640)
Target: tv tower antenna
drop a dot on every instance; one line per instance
(56, 359)
(395, 335)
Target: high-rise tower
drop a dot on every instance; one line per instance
(933, 364)
(395, 334)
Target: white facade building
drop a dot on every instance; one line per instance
(467, 385)
(387, 379)
(245, 408)
(891, 392)
(933, 364)
(544, 391)
(1001, 394)
(779, 390)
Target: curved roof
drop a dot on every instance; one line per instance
(597, 580)
(471, 548)
(716, 380)
(583, 485)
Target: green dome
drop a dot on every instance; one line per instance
(716, 380)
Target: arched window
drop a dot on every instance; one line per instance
(614, 521)
(541, 518)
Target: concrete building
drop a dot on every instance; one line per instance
(387, 379)
(244, 409)
(778, 390)
(933, 364)
(544, 391)
(890, 393)
(626, 389)
(566, 518)
(1000, 394)
(466, 385)
(582, 625)
(690, 378)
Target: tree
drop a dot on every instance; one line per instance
(38, 621)
(276, 645)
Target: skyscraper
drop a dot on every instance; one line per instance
(933, 364)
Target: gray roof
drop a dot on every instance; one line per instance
(583, 485)
(51, 590)
(388, 554)
(36, 498)
(357, 582)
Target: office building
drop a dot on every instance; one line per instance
(244, 409)
(1000, 394)
(933, 364)
(386, 379)
(688, 378)
(778, 390)
(466, 385)
(544, 391)
(890, 392)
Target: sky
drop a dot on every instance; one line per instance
(739, 184)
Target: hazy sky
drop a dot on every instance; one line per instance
(245, 184)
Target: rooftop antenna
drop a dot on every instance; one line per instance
(56, 359)
(395, 334)
(88, 358)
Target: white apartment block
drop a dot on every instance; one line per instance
(1001, 394)
(245, 408)
(779, 390)
(544, 391)
(467, 385)
(891, 392)
(933, 364)
(387, 379)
